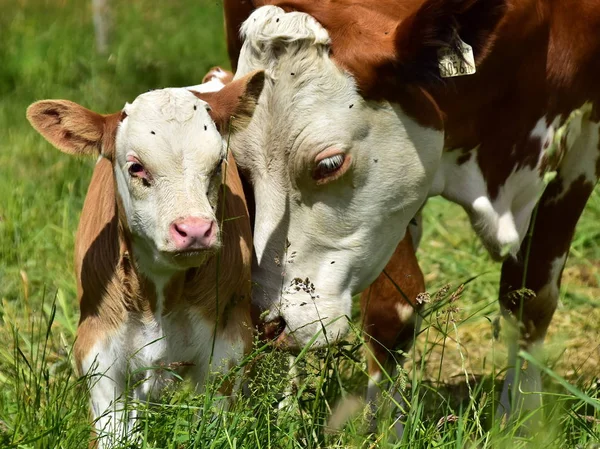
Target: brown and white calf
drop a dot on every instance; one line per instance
(163, 248)
(371, 106)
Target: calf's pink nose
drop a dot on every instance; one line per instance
(193, 233)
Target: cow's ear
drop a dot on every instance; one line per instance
(233, 106)
(68, 126)
(442, 25)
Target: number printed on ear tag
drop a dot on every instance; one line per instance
(452, 64)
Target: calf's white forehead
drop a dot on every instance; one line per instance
(169, 122)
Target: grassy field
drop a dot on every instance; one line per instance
(47, 51)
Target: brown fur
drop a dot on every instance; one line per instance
(71, 128)
(240, 97)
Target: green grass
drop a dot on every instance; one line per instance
(47, 51)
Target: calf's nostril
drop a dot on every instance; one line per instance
(210, 229)
(179, 230)
(274, 328)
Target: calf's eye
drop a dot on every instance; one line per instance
(137, 170)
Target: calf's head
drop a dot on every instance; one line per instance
(167, 153)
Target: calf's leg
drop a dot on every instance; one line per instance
(106, 377)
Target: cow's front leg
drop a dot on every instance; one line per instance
(391, 321)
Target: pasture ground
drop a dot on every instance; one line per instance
(47, 51)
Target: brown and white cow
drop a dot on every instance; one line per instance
(364, 116)
(163, 248)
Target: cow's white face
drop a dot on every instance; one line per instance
(168, 158)
(336, 178)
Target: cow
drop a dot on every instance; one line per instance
(372, 106)
(163, 247)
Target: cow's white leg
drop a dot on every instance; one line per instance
(374, 397)
(504, 408)
(110, 420)
(522, 389)
(294, 381)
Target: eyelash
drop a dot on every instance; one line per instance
(327, 168)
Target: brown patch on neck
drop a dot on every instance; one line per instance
(420, 105)
(98, 262)
(108, 283)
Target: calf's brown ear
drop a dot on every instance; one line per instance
(233, 106)
(68, 126)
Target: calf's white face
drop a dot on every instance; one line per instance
(336, 178)
(169, 155)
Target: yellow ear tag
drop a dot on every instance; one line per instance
(452, 64)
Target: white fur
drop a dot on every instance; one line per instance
(212, 85)
(502, 222)
(181, 157)
(582, 141)
(173, 338)
(355, 221)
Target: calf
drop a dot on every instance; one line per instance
(163, 248)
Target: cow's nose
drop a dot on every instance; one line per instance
(274, 328)
(193, 233)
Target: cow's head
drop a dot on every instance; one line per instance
(167, 154)
(337, 175)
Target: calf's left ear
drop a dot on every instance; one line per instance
(233, 106)
(68, 126)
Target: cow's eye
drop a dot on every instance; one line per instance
(330, 168)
